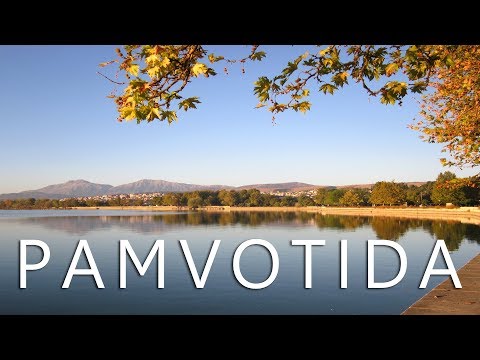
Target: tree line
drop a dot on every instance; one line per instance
(446, 189)
(440, 192)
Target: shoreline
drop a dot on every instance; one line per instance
(470, 215)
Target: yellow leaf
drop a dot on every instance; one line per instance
(131, 116)
(130, 100)
(198, 69)
(324, 51)
(156, 112)
(133, 69)
(165, 62)
(128, 113)
(391, 69)
(153, 71)
(152, 58)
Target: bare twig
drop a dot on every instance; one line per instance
(113, 81)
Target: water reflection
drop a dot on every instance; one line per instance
(388, 228)
(222, 293)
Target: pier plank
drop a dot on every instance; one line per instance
(445, 299)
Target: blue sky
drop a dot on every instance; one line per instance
(58, 125)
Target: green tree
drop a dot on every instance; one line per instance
(138, 202)
(363, 194)
(350, 198)
(387, 193)
(445, 191)
(320, 196)
(304, 200)
(333, 196)
(157, 200)
(172, 199)
(419, 195)
(194, 201)
(254, 198)
(154, 78)
(288, 201)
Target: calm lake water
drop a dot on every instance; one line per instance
(222, 294)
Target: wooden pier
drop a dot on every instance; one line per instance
(445, 299)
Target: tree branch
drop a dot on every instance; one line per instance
(113, 81)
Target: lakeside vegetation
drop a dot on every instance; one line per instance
(441, 192)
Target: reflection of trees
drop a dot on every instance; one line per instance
(241, 218)
(472, 232)
(340, 222)
(389, 228)
(80, 225)
(452, 232)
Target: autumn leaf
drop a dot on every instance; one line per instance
(165, 62)
(133, 69)
(152, 58)
(391, 69)
(199, 69)
(103, 64)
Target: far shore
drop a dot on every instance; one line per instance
(469, 215)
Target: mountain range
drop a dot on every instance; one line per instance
(79, 188)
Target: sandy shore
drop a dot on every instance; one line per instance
(464, 214)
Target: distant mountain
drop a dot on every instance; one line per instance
(148, 186)
(77, 188)
(283, 187)
(80, 188)
(72, 188)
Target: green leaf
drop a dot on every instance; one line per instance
(189, 103)
(259, 55)
(214, 58)
(418, 87)
(262, 87)
(449, 61)
(340, 79)
(169, 115)
(328, 88)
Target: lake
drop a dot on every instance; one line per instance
(62, 229)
